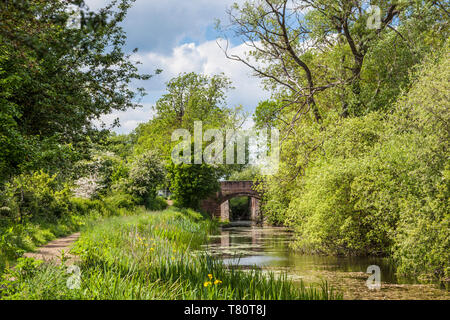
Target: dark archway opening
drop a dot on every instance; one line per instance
(240, 209)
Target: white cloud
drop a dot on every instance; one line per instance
(172, 35)
(206, 58)
(96, 4)
(209, 59)
(160, 25)
(129, 119)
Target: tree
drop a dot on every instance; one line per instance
(190, 97)
(194, 97)
(146, 175)
(313, 52)
(302, 50)
(191, 183)
(56, 79)
(13, 146)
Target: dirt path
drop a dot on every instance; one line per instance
(52, 251)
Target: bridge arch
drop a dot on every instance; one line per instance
(218, 205)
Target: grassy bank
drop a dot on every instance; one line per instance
(150, 255)
(18, 237)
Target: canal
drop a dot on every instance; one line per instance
(268, 248)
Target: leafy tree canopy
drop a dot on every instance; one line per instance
(56, 78)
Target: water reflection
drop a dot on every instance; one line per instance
(269, 248)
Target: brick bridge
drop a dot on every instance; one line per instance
(218, 205)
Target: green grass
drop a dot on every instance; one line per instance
(151, 255)
(17, 238)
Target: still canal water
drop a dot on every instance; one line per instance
(268, 248)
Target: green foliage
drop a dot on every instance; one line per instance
(248, 173)
(146, 175)
(156, 204)
(86, 206)
(121, 200)
(422, 123)
(36, 196)
(121, 145)
(239, 207)
(266, 113)
(55, 80)
(380, 184)
(193, 215)
(13, 146)
(191, 183)
(190, 97)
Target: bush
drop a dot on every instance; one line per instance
(36, 196)
(192, 183)
(339, 210)
(422, 123)
(156, 204)
(121, 201)
(85, 207)
(145, 176)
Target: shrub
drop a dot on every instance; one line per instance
(192, 183)
(121, 201)
(146, 175)
(36, 196)
(156, 204)
(96, 176)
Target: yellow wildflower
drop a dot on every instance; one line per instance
(217, 281)
(207, 283)
(210, 276)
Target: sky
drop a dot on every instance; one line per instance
(178, 36)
